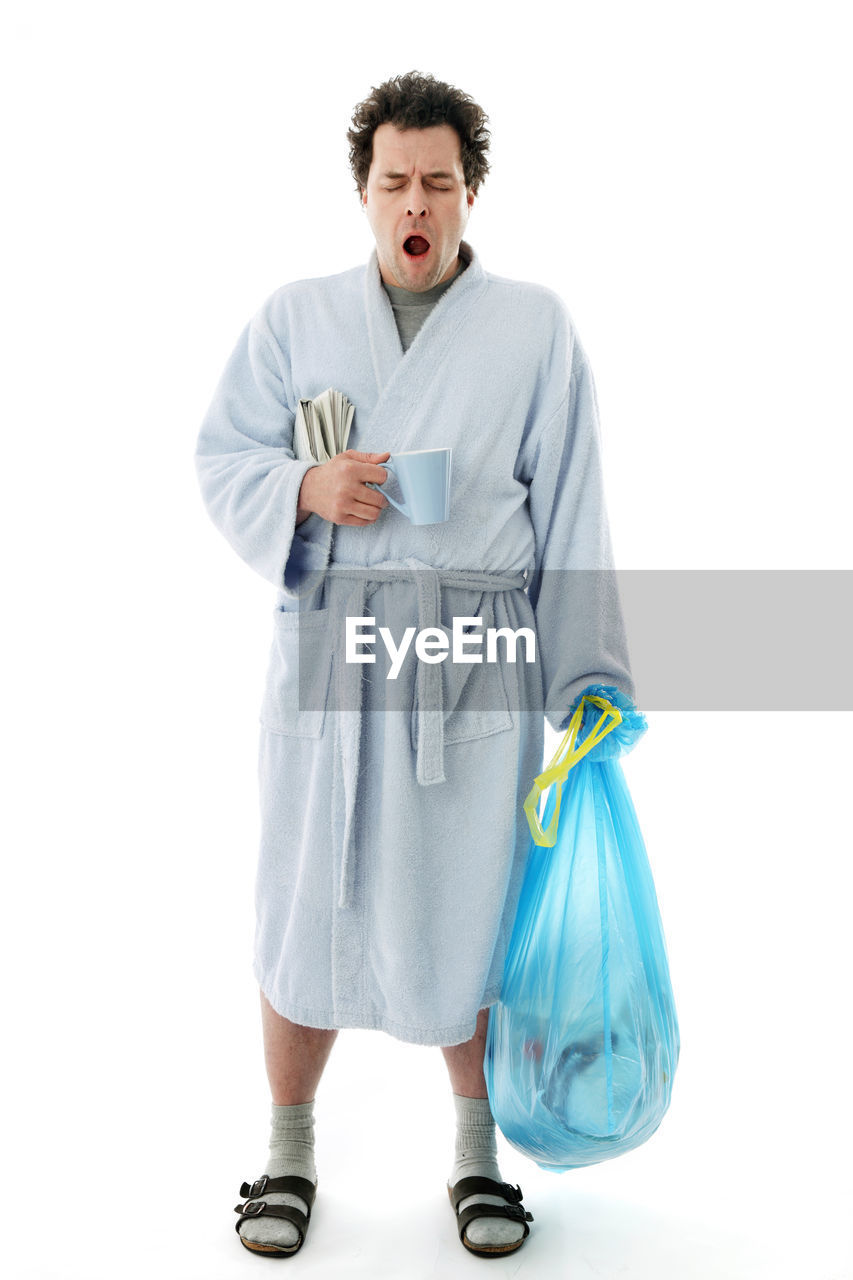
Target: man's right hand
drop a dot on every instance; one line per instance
(337, 489)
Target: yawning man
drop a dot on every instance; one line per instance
(393, 838)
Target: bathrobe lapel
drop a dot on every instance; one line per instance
(403, 380)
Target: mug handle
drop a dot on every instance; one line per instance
(394, 503)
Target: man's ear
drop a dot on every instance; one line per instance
(471, 196)
(363, 197)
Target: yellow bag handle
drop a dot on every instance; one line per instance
(558, 770)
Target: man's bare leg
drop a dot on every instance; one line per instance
(295, 1056)
(476, 1147)
(465, 1061)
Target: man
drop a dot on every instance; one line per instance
(393, 840)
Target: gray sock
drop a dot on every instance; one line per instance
(291, 1152)
(476, 1157)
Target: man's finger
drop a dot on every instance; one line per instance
(372, 497)
(373, 472)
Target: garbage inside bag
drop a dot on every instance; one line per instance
(583, 1044)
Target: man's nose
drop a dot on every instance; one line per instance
(417, 204)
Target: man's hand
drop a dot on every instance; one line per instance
(337, 489)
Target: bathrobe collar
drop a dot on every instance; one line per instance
(435, 334)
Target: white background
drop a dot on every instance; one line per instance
(680, 173)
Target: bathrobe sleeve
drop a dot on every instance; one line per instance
(249, 475)
(573, 587)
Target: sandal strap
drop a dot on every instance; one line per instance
(485, 1186)
(260, 1209)
(288, 1182)
(516, 1212)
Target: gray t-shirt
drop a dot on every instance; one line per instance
(411, 309)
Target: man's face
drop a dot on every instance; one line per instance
(417, 204)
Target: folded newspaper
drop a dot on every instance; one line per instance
(322, 426)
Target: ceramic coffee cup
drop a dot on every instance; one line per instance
(424, 478)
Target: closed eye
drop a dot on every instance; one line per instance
(400, 185)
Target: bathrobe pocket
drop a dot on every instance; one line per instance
(474, 694)
(476, 701)
(297, 686)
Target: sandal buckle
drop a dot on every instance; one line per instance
(258, 1187)
(253, 1208)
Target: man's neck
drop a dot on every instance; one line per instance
(422, 297)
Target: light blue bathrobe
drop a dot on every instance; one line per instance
(393, 840)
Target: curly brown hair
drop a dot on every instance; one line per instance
(416, 101)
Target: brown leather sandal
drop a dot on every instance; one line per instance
(254, 1207)
(513, 1209)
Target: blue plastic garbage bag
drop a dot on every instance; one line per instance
(584, 1042)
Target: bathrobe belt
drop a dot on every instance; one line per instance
(429, 686)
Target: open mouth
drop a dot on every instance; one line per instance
(416, 246)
